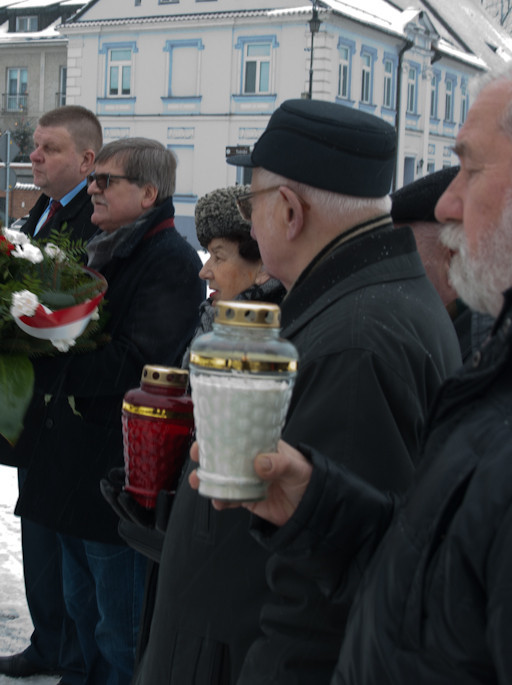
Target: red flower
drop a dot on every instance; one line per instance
(5, 245)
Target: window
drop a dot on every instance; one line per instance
(448, 108)
(119, 72)
(366, 78)
(411, 90)
(464, 103)
(16, 90)
(257, 68)
(344, 72)
(184, 63)
(185, 179)
(387, 98)
(61, 94)
(434, 88)
(26, 24)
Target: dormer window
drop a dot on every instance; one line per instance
(27, 24)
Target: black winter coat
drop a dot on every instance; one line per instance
(374, 344)
(435, 604)
(75, 438)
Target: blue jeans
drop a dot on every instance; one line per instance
(103, 591)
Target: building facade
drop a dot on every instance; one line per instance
(33, 73)
(204, 76)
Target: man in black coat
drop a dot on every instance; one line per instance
(413, 205)
(434, 606)
(374, 342)
(153, 299)
(66, 142)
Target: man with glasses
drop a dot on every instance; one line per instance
(434, 605)
(152, 304)
(66, 142)
(375, 343)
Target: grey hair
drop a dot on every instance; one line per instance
(145, 160)
(333, 204)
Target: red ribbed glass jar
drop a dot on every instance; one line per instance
(157, 428)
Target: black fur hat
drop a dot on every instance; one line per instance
(217, 216)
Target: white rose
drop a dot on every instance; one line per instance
(55, 252)
(63, 345)
(16, 237)
(24, 303)
(29, 252)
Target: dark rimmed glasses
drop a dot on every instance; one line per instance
(244, 204)
(103, 180)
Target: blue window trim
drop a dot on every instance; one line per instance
(464, 96)
(170, 45)
(394, 59)
(105, 49)
(372, 54)
(437, 76)
(240, 44)
(452, 78)
(351, 45)
(417, 68)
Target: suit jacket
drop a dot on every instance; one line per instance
(76, 214)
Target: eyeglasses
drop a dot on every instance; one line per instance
(103, 180)
(244, 204)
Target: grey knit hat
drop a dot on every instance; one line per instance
(217, 216)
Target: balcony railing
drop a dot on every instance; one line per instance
(14, 102)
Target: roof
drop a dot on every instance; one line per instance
(456, 21)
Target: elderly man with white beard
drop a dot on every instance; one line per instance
(434, 604)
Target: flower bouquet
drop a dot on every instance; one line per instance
(48, 300)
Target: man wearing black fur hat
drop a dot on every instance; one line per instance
(374, 349)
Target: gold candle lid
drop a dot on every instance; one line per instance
(164, 376)
(255, 314)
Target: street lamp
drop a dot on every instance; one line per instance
(314, 27)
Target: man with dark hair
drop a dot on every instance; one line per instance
(66, 142)
(152, 303)
(374, 345)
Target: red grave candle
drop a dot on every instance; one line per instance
(158, 423)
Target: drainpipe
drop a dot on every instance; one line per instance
(398, 121)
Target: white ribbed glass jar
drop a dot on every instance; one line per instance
(241, 375)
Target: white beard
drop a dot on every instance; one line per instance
(481, 278)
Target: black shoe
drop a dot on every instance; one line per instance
(20, 666)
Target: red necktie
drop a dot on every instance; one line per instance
(54, 207)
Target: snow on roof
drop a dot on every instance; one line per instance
(25, 37)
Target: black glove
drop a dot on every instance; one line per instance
(122, 502)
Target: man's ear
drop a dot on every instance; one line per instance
(87, 164)
(293, 212)
(149, 196)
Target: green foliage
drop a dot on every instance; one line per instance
(16, 388)
(22, 133)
